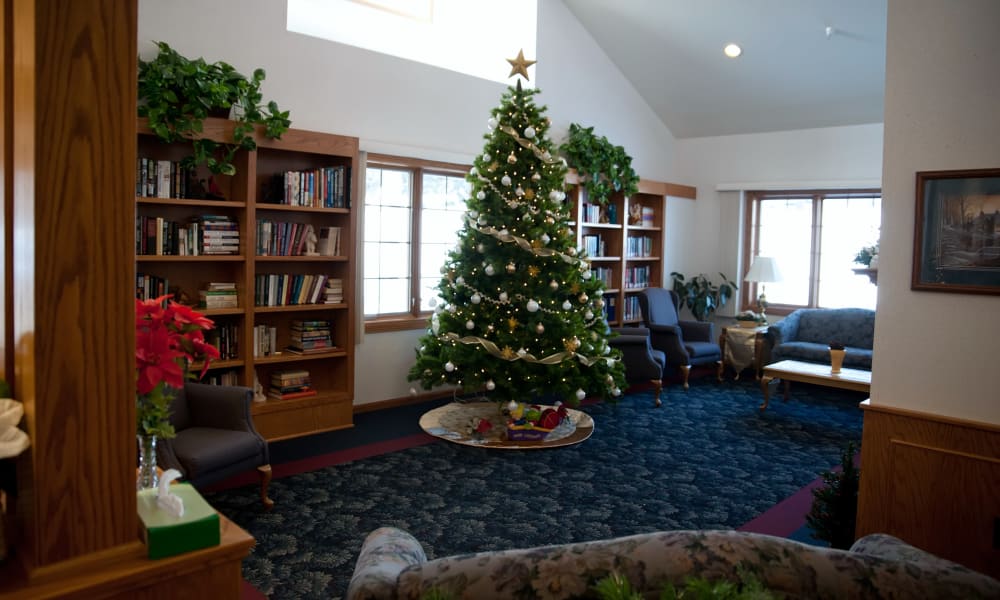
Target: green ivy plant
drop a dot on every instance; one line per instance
(701, 295)
(603, 167)
(176, 94)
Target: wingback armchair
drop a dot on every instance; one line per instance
(685, 343)
(642, 362)
(215, 438)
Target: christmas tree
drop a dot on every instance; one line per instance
(521, 314)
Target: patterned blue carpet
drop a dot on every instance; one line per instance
(707, 459)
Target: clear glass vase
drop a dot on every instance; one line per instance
(148, 477)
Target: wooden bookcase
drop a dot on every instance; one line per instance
(247, 197)
(628, 254)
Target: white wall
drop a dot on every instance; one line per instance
(936, 352)
(720, 167)
(401, 107)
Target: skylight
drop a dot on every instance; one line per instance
(474, 37)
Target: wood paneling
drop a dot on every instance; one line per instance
(69, 161)
(932, 482)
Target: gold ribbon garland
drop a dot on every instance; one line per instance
(523, 243)
(552, 359)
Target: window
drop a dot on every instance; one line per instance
(814, 237)
(487, 32)
(413, 211)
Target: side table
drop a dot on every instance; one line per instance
(741, 348)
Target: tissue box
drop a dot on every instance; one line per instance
(167, 535)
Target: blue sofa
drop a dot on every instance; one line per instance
(806, 334)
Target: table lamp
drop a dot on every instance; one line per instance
(763, 270)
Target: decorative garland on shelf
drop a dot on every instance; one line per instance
(603, 167)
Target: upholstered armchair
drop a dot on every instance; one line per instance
(642, 363)
(215, 438)
(685, 343)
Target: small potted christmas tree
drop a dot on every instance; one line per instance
(834, 511)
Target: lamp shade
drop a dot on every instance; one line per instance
(763, 270)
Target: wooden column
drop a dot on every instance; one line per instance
(72, 72)
(69, 72)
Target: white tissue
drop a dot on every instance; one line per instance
(167, 501)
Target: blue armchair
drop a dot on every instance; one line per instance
(805, 335)
(642, 363)
(685, 343)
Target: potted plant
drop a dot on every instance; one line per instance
(603, 167)
(702, 296)
(866, 255)
(176, 94)
(748, 319)
(834, 510)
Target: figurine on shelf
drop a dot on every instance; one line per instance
(635, 214)
(311, 240)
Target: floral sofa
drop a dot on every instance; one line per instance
(392, 565)
(805, 335)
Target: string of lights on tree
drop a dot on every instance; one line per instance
(521, 314)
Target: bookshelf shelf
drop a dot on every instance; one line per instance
(200, 258)
(297, 258)
(277, 171)
(217, 364)
(191, 202)
(299, 308)
(303, 209)
(290, 357)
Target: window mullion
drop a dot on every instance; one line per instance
(814, 254)
(415, 241)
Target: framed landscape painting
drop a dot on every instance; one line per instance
(956, 244)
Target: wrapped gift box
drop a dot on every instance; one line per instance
(167, 535)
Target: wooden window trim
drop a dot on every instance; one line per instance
(751, 240)
(415, 318)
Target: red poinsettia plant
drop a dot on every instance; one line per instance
(168, 337)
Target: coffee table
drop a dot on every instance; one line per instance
(817, 374)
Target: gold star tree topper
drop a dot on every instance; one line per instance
(519, 65)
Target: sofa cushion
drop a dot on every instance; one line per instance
(849, 326)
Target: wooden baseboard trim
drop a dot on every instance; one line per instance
(402, 401)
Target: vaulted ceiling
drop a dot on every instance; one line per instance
(805, 63)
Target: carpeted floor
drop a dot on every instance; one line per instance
(707, 459)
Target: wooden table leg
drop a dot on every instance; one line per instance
(766, 389)
(788, 387)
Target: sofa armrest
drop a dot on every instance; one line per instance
(384, 554)
(219, 406)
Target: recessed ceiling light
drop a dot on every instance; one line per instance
(732, 50)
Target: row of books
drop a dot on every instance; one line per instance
(222, 378)
(611, 308)
(290, 384)
(276, 289)
(225, 337)
(593, 245)
(639, 246)
(310, 337)
(632, 311)
(219, 295)
(328, 187)
(605, 275)
(265, 340)
(281, 238)
(637, 277)
(164, 179)
(149, 286)
(205, 235)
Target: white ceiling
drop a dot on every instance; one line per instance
(791, 74)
